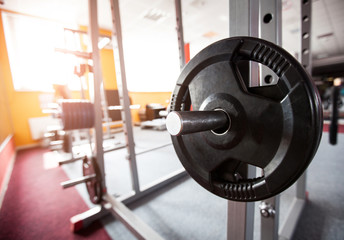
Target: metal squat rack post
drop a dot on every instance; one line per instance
(263, 19)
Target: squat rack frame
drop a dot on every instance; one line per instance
(243, 21)
(116, 206)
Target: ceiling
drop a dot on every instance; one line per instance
(204, 21)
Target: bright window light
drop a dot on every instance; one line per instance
(34, 63)
(152, 66)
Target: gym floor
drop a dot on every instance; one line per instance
(183, 210)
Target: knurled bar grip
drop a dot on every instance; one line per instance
(185, 122)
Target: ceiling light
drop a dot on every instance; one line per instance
(325, 36)
(155, 14)
(198, 3)
(322, 55)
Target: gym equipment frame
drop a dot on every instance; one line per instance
(109, 203)
(243, 21)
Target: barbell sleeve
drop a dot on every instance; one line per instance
(186, 122)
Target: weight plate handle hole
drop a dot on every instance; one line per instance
(267, 18)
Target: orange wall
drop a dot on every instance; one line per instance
(7, 148)
(22, 105)
(108, 69)
(6, 127)
(144, 98)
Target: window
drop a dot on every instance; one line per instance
(34, 63)
(150, 45)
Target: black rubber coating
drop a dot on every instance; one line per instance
(334, 117)
(276, 128)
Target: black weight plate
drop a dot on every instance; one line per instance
(77, 114)
(89, 167)
(276, 128)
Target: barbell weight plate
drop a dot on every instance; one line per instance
(77, 114)
(276, 128)
(89, 167)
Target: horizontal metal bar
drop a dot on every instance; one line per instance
(84, 32)
(112, 123)
(140, 229)
(164, 179)
(73, 182)
(136, 106)
(288, 227)
(70, 160)
(155, 186)
(106, 150)
(110, 149)
(153, 149)
(85, 55)
(185, 122)
(56, 142)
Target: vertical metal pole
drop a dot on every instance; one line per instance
(94, 33)
(288, 227)
(105, 110)
(123, 91)
(239, 215)
(306, 61)
(301, 187)
(306, 28)
(180, 32)
(269, 224)
(270, 23)
(243, 22)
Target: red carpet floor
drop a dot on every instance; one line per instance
(36, 206)
(340, 128)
